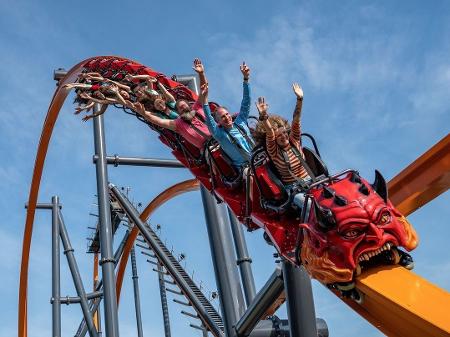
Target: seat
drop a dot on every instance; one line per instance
(230, 177)
(273, 195)
(315, 163)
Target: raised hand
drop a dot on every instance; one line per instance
(262, 107)
(245, 70)
(298, 90)
(114, 88)
(128, 78)
(139, 107)
(198, 66)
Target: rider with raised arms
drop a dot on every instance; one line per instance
(234, 137)
(284, 148)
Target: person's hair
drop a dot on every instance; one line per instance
(259, 134)
(214, 114)
(179, 101)
(158, 97)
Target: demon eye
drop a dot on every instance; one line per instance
(384, 219)
(351, 233)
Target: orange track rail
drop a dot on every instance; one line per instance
(422, 181)
(46, 134)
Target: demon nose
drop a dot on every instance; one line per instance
(374, 234)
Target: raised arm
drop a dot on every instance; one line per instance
(200, 70)
(95, 114)
(263, 107)
(165, 92)
(119, 97)
(164, 123)
(119, 85)
(149, 79)
(245, 104)
(92, 76)
(271, 145)
(295, 128)
(85, 95)
(210, 122)
(77, 85)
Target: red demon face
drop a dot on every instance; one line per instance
(352, 225)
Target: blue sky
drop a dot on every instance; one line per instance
(375, 76)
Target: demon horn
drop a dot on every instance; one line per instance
(363, 189)
(340, 201)
(324, 217)
(379, 185)
(355, 178)
(327, 192)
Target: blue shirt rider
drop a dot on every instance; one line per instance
(234, 137)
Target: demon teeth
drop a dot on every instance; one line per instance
(358, 270)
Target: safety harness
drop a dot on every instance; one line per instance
(299, 156)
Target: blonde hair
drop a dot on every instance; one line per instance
(259, 134)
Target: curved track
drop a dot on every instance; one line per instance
(430, 323)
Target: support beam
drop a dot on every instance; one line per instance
(56, 282)
(137, 300)
(106, 240)
(137, 161)
(243, 259)
(68, 250)
(299, 300)
(261, 303)
(82, 328)
(164, 306)
(227, 279)
(44, 206)
(77, 299)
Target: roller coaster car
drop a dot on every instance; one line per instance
(273, 195)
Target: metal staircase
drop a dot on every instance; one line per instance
(208, 315)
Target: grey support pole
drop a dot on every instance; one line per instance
(137, 161)
(164, 306)
(227, 279)
(243, 260)
(137, 300)
(106, 241)
(299, 300)
(68, 250)
(265, 298)
(94, 304)
(56, 285)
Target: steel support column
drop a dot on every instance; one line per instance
(68, 250)
(227, 279)
(56, 284)
(137, 300)
(261, 303)
(164, 306)
(106, 240)
(299, 300)
(94, 304)
(243, 260)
